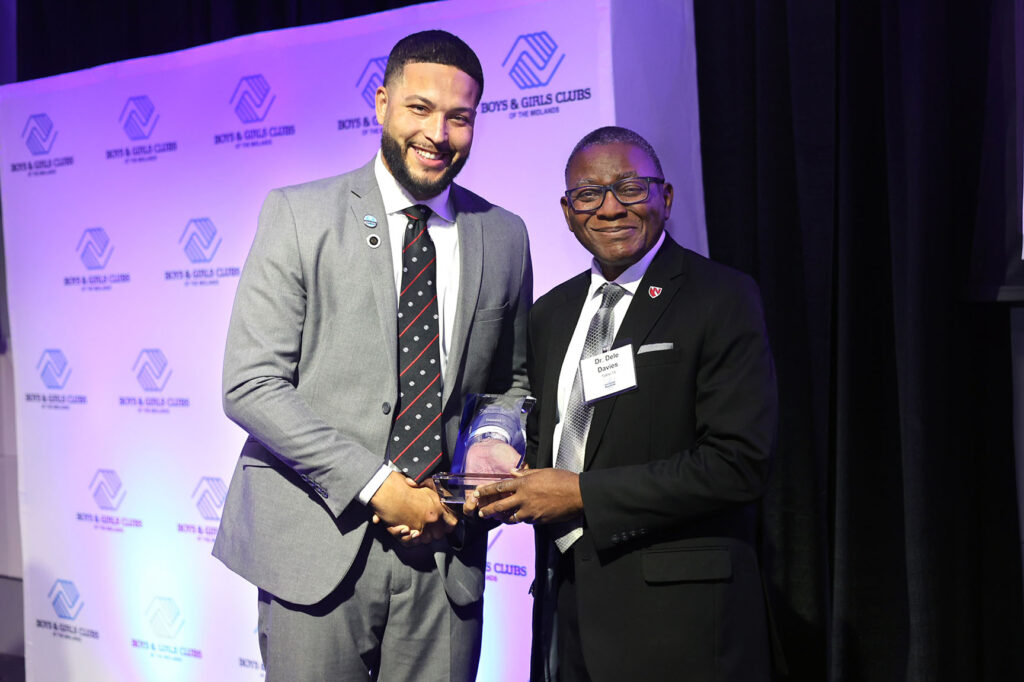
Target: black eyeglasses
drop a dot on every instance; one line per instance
(589, 198)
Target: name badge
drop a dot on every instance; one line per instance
(607, 374)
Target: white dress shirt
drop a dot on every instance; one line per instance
(628, 280)
(444, 233)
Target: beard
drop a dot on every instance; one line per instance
(394, 156)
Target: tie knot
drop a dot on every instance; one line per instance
(417, 213)
(610, 294)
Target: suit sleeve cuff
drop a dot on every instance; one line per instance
(376, 481)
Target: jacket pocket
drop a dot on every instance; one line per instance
(488, 314)
(687, 565)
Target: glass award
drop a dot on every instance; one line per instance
(491, 443)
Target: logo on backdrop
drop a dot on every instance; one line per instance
(107, 493)
(200, 241)
(152, 371)
(107, 490)
(94, 250)
(500, 545)
(211, 493)
(53, 368)
(208, 496)
(165, 621)
(371, 78)
(251, 101)
(138, 119)
(54, 372)
(532, 62)
(67, 605)
(164, 618)
(39, 135)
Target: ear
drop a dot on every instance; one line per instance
(668, 193)
(381, 104)
(567, 212)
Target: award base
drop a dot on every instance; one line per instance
(452, 488)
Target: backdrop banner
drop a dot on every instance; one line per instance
(130, 196)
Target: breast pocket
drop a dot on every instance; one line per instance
(657, 354)
(490, 314)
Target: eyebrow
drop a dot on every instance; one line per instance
(424, 100)
(621, 176)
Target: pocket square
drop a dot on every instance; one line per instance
(652, 347)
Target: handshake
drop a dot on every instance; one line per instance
(415, 513)
(490, 447)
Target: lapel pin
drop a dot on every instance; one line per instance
(654, 292)
(369, 221)
(373, 240)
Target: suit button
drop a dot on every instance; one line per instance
(385, 408)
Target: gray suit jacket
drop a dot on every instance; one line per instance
(310, 372)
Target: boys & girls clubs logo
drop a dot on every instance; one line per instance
(94, 250)
(165, 621)
(152, 372)
(208, 497)
(108, 493)
(67, 604)
(200, 241)
(54, 372)
(251, 102)
(40, 135)
(138, 121)
(371, 78)
(531, 64)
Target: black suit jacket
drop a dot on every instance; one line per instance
(667, 578)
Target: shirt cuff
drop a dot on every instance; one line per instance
(376, 481)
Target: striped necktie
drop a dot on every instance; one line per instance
(416, 443)
(576, 420)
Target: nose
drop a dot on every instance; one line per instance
(610, 207)
(436, 128)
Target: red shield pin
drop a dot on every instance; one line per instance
(654, 292)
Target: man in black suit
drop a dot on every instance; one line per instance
(643, 485)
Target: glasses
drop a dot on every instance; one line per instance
(589, 198)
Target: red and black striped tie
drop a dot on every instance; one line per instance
(416, 444)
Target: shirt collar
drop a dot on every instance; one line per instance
(630, 278)
(396, 198)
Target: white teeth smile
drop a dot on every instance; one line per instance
(427, 155)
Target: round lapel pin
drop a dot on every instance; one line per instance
(654, 292)
(373, 240)
(369, 221)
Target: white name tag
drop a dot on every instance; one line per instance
(608, 373)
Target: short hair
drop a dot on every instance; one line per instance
(434, 47)
(614, 135)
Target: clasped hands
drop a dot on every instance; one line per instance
(413, 512)
(530, 496)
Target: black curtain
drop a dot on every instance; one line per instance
(844, 168)
(57, 36)
(857, 154)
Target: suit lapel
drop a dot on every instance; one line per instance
(562, 323)
(666, 272)
(366, 201)
(471, 263)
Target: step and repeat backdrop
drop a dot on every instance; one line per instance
(130, 194)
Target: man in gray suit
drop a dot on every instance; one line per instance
(370, 305)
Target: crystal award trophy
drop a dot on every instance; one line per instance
(491, 443)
